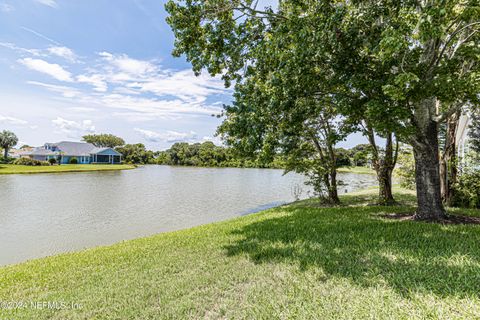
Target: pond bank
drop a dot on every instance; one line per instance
(294, 261)
(20, 169)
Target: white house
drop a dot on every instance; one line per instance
(64, 151)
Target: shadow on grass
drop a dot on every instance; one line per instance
(357, 244)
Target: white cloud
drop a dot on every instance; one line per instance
(82, 109)
(52, 69)
(12, 46)
(154, 108)
(50, 3)
(74, 129)
(127, 91)
(182, 84)
(215, 140)
(63, 52)
(96, 80)
(12, 120)
(67, 92)
(137, 90)
(128, 65)
(59, 51)
(169, 136)
(5, 7)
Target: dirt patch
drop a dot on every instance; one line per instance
(451, 219)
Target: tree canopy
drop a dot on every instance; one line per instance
(136, 153)
(8, 140)
(104, 140)
(400, 66)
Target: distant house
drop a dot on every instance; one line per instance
(18, 153)
(85, 153)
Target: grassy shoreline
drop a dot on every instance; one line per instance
(358, 170)
(20, 169)
(294, 261)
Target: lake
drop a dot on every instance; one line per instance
(45, 214)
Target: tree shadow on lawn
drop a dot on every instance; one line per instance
(357, 244)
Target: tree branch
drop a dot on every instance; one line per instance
(450, 38)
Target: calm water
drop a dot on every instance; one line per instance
(44, 214)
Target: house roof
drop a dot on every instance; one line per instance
(69, 148)
(105, 151)
(41, 151)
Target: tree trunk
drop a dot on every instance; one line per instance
(384, 170)
(384, 176)
(383, 167)
(448, 159)
(427, 164)
(332, 190)
(5, 153)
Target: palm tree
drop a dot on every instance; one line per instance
(8, 139)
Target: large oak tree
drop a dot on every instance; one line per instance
(423, 54)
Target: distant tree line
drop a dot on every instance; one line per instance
(207, 154)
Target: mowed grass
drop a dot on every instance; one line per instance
(300, 261)
(19, 169)
(359, 170)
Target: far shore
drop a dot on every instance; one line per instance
(349, 169)
(20, 169)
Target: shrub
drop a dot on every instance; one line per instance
(6, 160)
(73, 160)
(52, 161)
(466, 192)
(30, 162)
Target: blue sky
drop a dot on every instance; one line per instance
(68, 68)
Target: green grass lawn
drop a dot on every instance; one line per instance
(13, 169)
(359, 170)
(298, 261)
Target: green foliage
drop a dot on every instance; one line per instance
(405, 169)
(136, 153)
(467, 189)
(361, 154)
(207, 154)
(343, 157)
(6, 160)
(73, 160)
(52, 161)
(104, 140)
(8, 140)
(30, 162)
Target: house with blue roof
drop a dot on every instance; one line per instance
(85, 153)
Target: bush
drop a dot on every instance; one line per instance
(52, 161)
(6, 160)
(466, 192)
(73, 161)
(30, 162)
